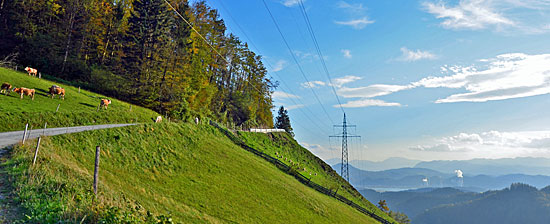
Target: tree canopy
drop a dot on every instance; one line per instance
(283, 121)
(142, 52)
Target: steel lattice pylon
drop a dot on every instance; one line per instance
(344, 135)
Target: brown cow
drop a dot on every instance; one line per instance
(6, 88)
(31, 71)
(23, 90)
(104, 103)
(57, 90)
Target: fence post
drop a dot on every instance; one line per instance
(40, 75)
(57, 108)
(79, 89)
(25, 133)
(96, 169)
(36, 152)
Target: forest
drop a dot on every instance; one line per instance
(145, 52)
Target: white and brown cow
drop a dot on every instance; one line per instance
(31, 71)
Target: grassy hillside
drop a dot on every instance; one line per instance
(76, 109)
(287, 150)
(192, 173)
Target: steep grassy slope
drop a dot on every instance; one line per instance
(76, 109)
(194, 173)
(287, 150)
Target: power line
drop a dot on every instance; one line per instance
(288, 89)
(320, 54)
(295, 60)
(206, 41)
(271, 67)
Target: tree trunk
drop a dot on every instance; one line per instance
(70, 31)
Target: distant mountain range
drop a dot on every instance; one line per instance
(494, 167)
(411, 178)
(390, 163)
(520, 203)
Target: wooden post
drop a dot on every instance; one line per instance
(25, 133)
(39, 75)
(130, 108)
(36, 152)
(57, 108)
(79, 89)
(96, 169)
(15, 67)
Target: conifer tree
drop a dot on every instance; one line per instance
(283, 121)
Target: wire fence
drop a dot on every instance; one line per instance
(303, 179)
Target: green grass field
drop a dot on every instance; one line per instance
(286, 149)
(192, 173)
(76, 109)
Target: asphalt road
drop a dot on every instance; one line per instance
(10, 138)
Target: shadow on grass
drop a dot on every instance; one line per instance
(88, 105)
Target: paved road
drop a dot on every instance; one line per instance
(10, 138)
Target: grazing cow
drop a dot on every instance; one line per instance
(104, 103)
(159, 119)
(25, 91)
(57, 90)
(31, 71)
(6, 88)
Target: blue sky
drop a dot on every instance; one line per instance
(429, 79)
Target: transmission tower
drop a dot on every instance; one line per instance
(344, 136)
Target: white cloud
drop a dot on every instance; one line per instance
(279, 65)
(411, 55)
(433, 148)
(356, 23)
(354, 8)
(313, 84)
(279, 95)
(370, 91)
(468, 14)
(291, 3)
(292, 107)
(368, 103)
(492, 143)
(505, 77)
(346, 53)
(338, 82)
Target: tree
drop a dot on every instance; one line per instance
(383, 206)
(283, 121)
(399, 217)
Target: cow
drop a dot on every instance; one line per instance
(57, 90)
(25, 91)
(159, 119)
(31, 71)
(104, 103)
(6, 88)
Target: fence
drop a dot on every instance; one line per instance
(303, 179)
